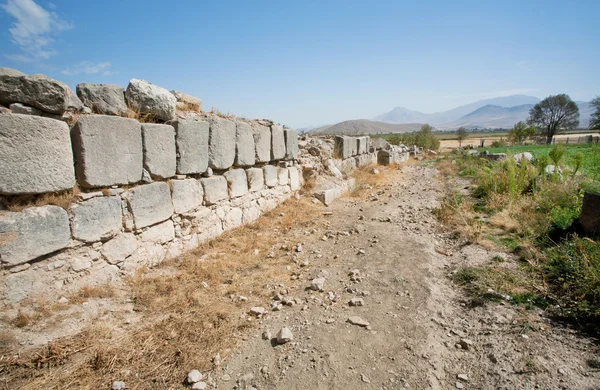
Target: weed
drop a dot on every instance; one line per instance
(21, 320)
(62, 199)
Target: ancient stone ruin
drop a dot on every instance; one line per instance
(149, 174)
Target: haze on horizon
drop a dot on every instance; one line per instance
(313, 63)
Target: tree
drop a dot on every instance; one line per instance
(520, 132)
(554, 114)
(461, 134)
(595, 117)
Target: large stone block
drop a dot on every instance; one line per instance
(238, 182)
(277, 143)
(362, 145)
(160, 156)
(353, 145)
(150, 203)
(244, 145)
(262, 142)
(37, 90)
(221, 144)
(256, 179)
(270, 173)
(32, 233)
(215, 189)
(187, 195)
(328, 196)
(283, 176)
(97, 219)
(108, 150)
(291, 144)
(342, 147)
(106, 99)
(161, 233)
(119, 248)
(152, 100)
(294, 179)
(36, 155)
(192, 146)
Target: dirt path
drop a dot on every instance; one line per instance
(421, 333)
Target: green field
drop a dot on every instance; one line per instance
(591, 155)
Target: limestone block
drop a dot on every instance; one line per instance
(150, 203)
(294, 179)
(233, 218)
(31, 233)
(36, 155)
(262, 142)
(270, 173)
(160, 156)
(362, 145)
(20, 108)
(161, 233)
(328, 196)
(353, 146)
(221, 143)
(256, 179)
(237, 181)
(119, 248)
(215, 189)
(97, 219)
(106, 99)
(37, 90)
(291, 144)
(244, 145)
(108, 150)
(187, 195)
(208, 224)
(342, 148)
(277, 143)
(152, 100)
(283, 176)
(192, 146)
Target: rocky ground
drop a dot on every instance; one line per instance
(380, 311)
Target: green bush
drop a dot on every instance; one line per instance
(573, 272)
(563, 217)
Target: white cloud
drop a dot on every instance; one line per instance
(87, 67)
(33, 29)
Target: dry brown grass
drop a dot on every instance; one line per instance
(367, 182)
(62, 199)
(87, 292)
(188, 107)
(446, 167)
(184, 324)
(8, 342)
(456, 213)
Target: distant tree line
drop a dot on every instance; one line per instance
(424, 138)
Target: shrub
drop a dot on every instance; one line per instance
(563, 217)
(556, 154)
(499, 143)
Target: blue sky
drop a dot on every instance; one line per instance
(306, 63)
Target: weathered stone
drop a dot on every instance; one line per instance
(342, 148)
(119, 248)
(150, 203)
(97, 219)
(194, 376)
(36, 155)
(277, 143)
(238, 182)
(356, 302)
(244, 145)
(221, 143)
(79, 264)
(106, 99)
(152, 100)
(291, 144)
(380, 143)
(495, 156)
(37, 90)
(317, 284)
(108, 150)
(328, 196)
(118, 385)
(160, 233)
(284, 336)
(187, 195)
(283, 176)
(522, 156)
(4, 110)
(262, 142)
(160, 156)
(215, 189)
(233, 217)
(192, 146)
(294, 179)
(256, 179)
(20, 108)
(590, 217)
(358, 321)
(186, 102)
(31, 233)
(270, 173)
(363, 145)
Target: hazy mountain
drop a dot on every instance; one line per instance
(491, 116)
(404, 115)
(365, 126)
